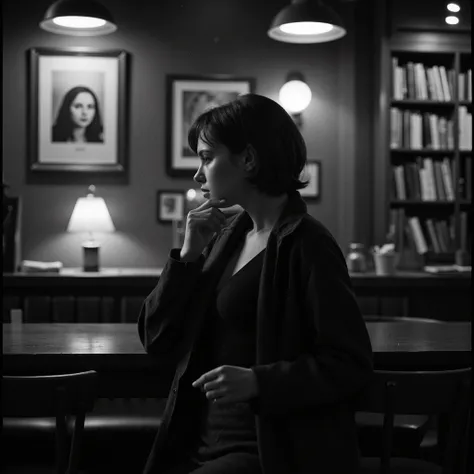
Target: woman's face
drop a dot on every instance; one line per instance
(219, 173)
(82, 109)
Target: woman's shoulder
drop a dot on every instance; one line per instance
(312, 237)
(311, 229)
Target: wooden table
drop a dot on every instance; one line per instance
(115, 351)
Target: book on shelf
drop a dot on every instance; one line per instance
(433, 237)
(465, 85)
(465, 128)
(416, 81)
(448, 178)
(417, 234)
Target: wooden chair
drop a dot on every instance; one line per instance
(411, 432)
(436, 393)
(58, 396)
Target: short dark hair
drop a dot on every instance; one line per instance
(258, 121)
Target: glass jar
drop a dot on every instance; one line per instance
(356, 259)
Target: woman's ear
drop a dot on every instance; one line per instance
(250, 160)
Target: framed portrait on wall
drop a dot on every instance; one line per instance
(78, 113)
(311, 172)
(170, 206)
(187, 98)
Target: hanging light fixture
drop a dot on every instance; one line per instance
(78, 18)
(306, 21)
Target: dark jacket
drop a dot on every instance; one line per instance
(313, 349)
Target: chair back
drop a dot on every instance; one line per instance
(443, 393)
(57, 396)
(45, 395)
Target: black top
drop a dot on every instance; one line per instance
(229, 338)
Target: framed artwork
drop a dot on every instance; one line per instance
(170, 206)
(188, 97)
(78, 114)
(312, 172)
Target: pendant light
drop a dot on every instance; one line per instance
(306, 21)
(78, 18)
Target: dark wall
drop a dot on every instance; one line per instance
(188, 37)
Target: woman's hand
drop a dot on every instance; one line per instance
(228, 384)
(201, 224)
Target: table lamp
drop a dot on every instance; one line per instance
(90, 215)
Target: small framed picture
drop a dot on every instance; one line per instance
(78, 113)
(188, 97)
(312, 172)
(170, 205)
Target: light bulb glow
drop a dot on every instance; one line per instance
(452, 20)
(453, 7)
(295, 96)
(306, 28)
(191, 194)
(79, 22)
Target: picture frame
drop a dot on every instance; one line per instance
(78, 115)
(311, 172)
(170, 205)
(187, 98)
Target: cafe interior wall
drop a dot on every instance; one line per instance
(189, 37)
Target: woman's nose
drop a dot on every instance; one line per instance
(198, 177)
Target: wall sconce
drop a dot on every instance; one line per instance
(295, 96)
(90, 214)
(306, 21)
(78, 18)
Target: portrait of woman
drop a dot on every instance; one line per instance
(78, 119)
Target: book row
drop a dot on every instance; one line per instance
(419, 82)
(416, 130)
(427, 234)
(424, 179)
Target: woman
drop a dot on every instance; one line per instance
(257, 312)
(79, 118)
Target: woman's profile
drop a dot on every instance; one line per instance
(79, 118)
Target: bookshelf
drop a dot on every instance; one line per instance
(423, 147)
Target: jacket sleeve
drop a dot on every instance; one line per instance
(163, 313)
(339, 362)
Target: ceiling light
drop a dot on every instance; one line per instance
(453, 7)
(78, 18)
(452, 20)
(305, 22)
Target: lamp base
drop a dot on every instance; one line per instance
(91, 256)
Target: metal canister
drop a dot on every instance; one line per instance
(356, 259)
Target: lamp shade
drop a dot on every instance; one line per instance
(306, 21)
(90, 214)
(78, 18)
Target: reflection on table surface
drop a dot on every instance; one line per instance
(399, 344)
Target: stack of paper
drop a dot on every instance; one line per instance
(32, 266)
